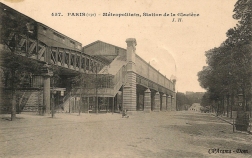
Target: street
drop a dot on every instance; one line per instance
(155, 134)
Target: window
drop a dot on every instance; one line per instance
(78, 46)
(44, 29)
(59, 37)
(117, 51)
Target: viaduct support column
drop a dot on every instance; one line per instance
(152, 100)
(172, 103)
(157, 102)
(129, 91)
(160, 102)
(175, 101)
(147, 101)
(174, 108)
(46, 95)
(169, 103)
(46, 73)
(164, 102)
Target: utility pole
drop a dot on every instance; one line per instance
(13, 93)
(70, 101)
(52, 103)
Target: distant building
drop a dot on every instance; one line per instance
(195, 107)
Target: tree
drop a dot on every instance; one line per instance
(228, 70)
(229, 66)
(14, 67)
(242, 33)
(181, 100)
(13, 22)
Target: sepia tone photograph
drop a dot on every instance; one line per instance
(129, 78)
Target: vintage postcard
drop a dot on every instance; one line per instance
(129, 78)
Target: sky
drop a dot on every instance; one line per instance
(173, 48)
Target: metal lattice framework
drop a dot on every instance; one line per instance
(62, 57)
(75, 61)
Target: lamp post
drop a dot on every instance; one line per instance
(240, 101)
(242, 120)
(53, 101)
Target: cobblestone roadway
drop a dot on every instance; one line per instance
(163, 134)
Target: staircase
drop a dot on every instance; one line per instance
(67, 100)
(117, 69)
(119, 79)
(31, 101)
(114, 66)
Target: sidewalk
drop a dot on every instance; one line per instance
(231, 121)
(60, 117)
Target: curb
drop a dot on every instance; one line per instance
(231, 123)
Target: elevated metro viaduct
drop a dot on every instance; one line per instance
(139, 86)
(136, 84)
